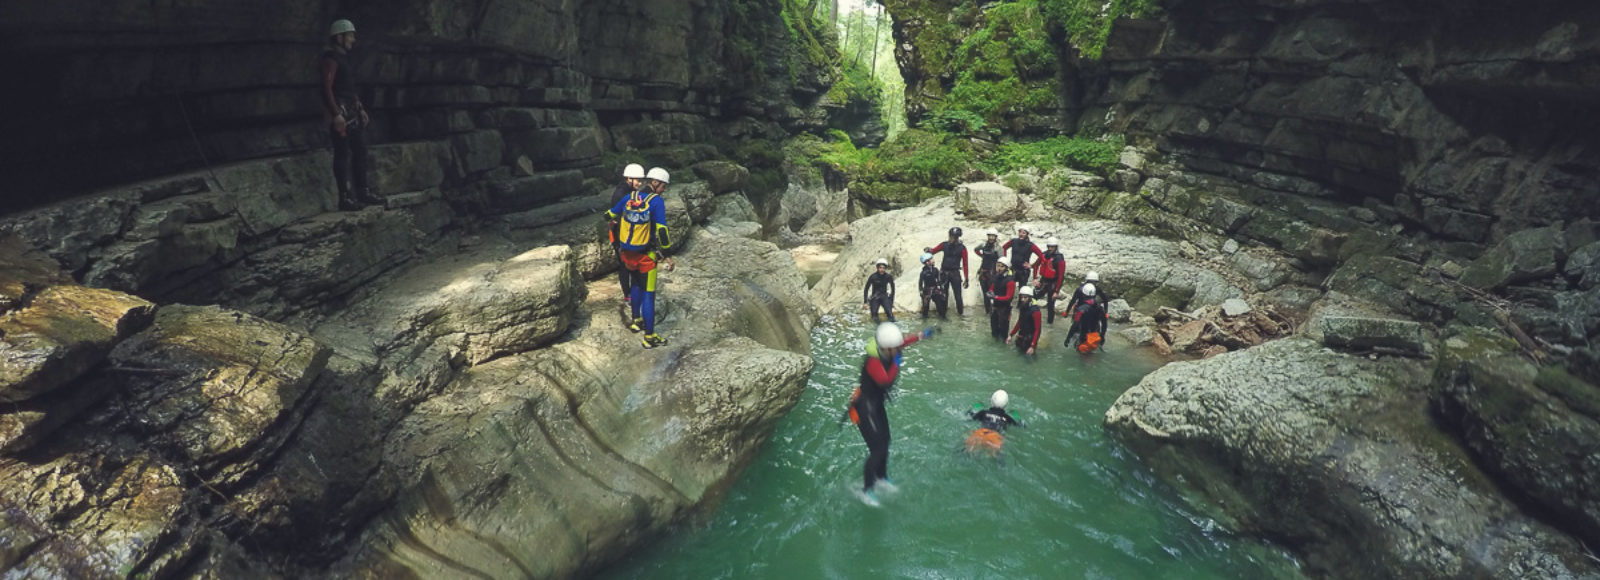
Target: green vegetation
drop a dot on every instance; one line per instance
(1088, 22)
(1006, 67)
(1081, 153)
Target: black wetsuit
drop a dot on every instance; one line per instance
(955, 260)
(1078, 297)
(341, 98)
(1027, 327)
(1004, 290)
(1089, 317)
(931, 283)
(879, 291)
(1021, 251)
(989, 255)
(994, 418)
(872, 418)
(624, 275)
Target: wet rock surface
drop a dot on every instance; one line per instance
(476, 403)
(1343, 433)
(1145, 271)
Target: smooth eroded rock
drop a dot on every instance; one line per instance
(1340, 453)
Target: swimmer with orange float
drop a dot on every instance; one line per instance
(994, 420)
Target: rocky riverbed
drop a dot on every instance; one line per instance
(484, 411)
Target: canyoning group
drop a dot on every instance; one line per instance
(937, 284)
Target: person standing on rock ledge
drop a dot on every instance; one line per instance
(989, 255)
(346, 117)
(1001, 293)
(1022, 250)
(954, 252)
(642, 232)
(879, 291)
(632, 181)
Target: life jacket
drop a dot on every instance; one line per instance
(989, 254)
(933, 282)
(1090, 342)
(953, 252)
(1021, 252)
(1025, 321)
(1050, 268)
(637, 227)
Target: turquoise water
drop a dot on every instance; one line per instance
(1064, 501)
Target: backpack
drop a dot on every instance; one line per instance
(1090, 342)
(636, 222)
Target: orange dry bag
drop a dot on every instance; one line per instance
(1090, 342)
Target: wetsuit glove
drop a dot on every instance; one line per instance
(927, 332)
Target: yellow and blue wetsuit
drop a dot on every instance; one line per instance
(642, 233)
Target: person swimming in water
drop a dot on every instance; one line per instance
(990, 436)
(867, 411)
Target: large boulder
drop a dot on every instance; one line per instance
(624, 441)
(988, 201)
(1536, 428)
(53, 331)
(1337, 456)
(1526, 255)
(722, 176)
(460, 310)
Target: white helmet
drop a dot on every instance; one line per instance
(999, 399)
(340, 27)
(1088, 290)
(1052, 242)
(659, 174)
(1026, 291)
(1092, 276)
(1023, 229)
(633, 171)
(991, 232)
(881, 262)
(889, 336)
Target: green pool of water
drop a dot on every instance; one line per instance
(1065, 501)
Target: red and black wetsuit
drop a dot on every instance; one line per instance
(877, 378)
(954, 252)
(1004, 289)
(1050, 270)
(1021, 251)
(1027, 327)
(1089, 317)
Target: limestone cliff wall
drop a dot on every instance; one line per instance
(106, 93)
